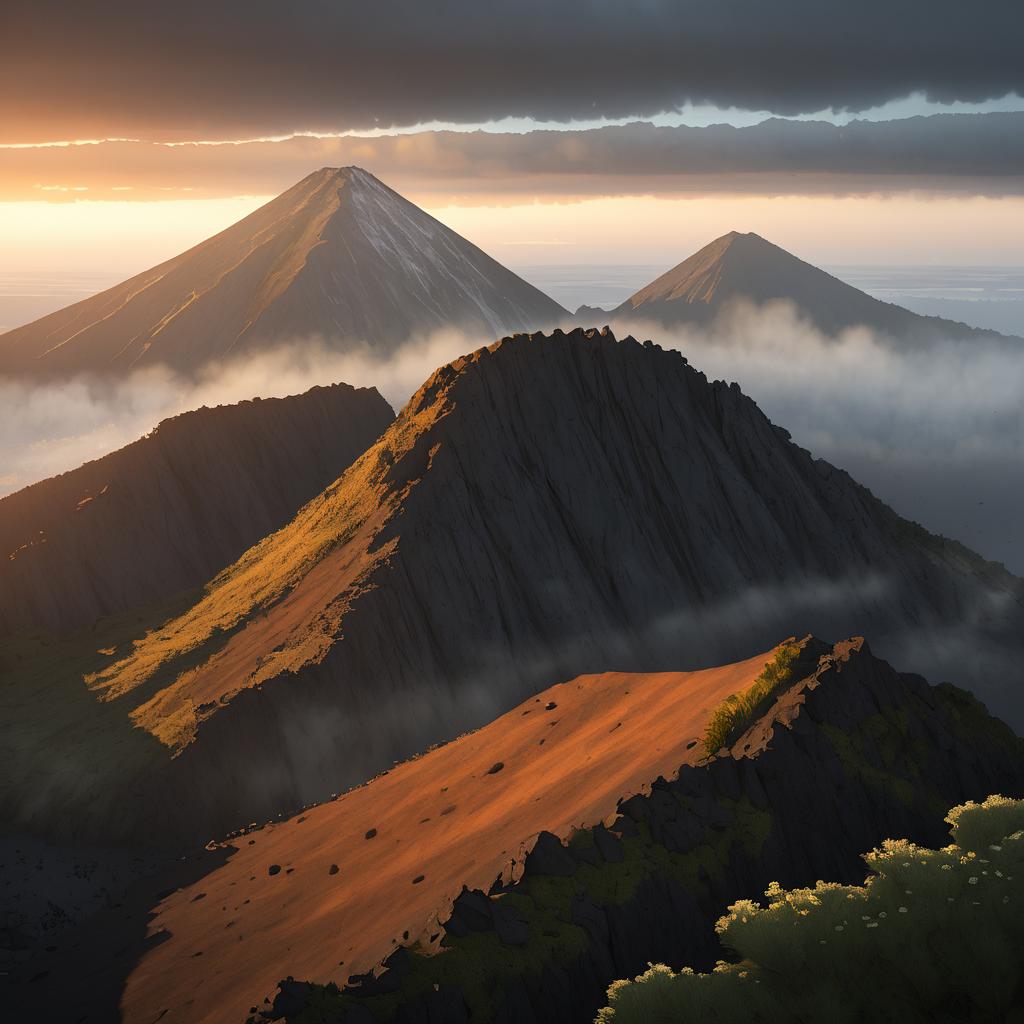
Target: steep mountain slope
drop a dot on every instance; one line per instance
(850, 750)
(339, 256)
(548, 506)
(851, 753)
(747, 267)
(169, 511)
(451, 817)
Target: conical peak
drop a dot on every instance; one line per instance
(737, 263)
(738, 243)
(340, 255)
(740, 237)
(337, 176)
(342, 173)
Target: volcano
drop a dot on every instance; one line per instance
(742, 267)
(339, 258)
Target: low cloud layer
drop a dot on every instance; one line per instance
(47, 429)
(974, 154)
(235, 70)
(937, 433)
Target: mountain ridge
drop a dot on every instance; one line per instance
(463, 813)
(168, 511)
(580, 834)
(548, 506)
(787, 803)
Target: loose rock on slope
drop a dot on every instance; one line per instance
(847, 756)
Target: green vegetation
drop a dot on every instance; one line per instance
(880, 750)
(739, 711)
(932, 935)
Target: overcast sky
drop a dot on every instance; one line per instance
(202, 111)
(235, 69)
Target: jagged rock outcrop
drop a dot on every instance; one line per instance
(547, 506)
(847, 756)
(166, 513)
(746, 267)
(339, 257)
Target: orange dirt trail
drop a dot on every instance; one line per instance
(441, 816)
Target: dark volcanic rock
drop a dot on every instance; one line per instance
(511, 926)
(471, 912)
(844, 758)
(475, 911)
(608, 845)
(549, 857)
(169, 511)
(542, 508)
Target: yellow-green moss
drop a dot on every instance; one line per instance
(739, 710)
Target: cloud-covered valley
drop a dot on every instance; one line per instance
(938, 433)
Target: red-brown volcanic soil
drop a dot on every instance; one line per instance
(567, 757)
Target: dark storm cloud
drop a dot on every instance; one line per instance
(230, 69)
(976, 154)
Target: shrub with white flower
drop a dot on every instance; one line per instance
(929, 936)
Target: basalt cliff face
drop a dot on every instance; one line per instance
(166, 513)
(548, 506)
(848, 755)
(339, 257)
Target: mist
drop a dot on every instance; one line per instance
(936, 432)
(47, 429)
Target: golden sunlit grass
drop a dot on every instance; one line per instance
(178, 663)
(740, 709)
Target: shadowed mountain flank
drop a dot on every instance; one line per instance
(545, 507)
(850, 753)
(462, 814)
(338, 257)
(746, 267)
(166, 513)
(575, 837)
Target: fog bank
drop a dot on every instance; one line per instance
(937, 433)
